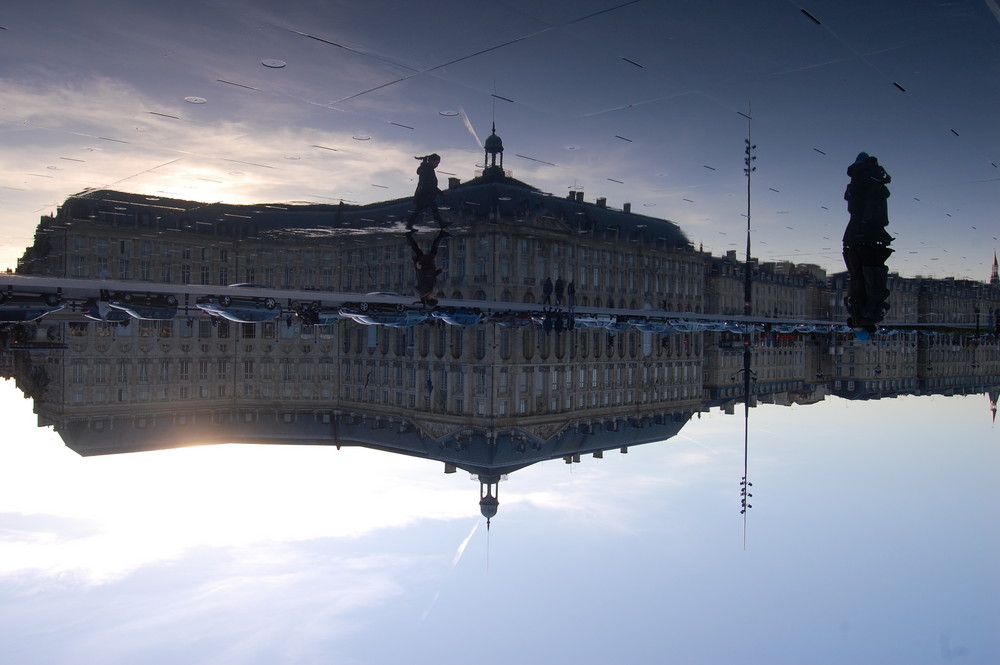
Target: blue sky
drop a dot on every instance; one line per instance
(637, 102)
(865, 549)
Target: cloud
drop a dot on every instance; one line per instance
(274, 603)
(96, 520)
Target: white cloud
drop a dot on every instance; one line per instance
(99, 519)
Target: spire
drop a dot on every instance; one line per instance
(994, 276)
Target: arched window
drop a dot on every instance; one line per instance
(423, 345)
(481, 342)
(440, 337)
(505, 343)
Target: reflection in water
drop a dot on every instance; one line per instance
(564, 329)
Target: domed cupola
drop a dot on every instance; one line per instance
(493, 147)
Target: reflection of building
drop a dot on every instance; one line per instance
(187, 381)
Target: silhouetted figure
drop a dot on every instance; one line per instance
(547, 320)
(571, 295)
(866, 243)
(560, 288)
(308, 314)
(425, 196)
(547, 291)
(559, 324)
(867, 202)
(426, 266)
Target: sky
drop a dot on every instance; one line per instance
(639, 102)
(871, 540)
(860, 548)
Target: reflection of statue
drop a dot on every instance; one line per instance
(425, 196)
(866, 242)
(426, 267)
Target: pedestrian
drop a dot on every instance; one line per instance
(426, 193)
(571, 296)
(547, 291)
(547, 321)
(559, 324)
(560, 288)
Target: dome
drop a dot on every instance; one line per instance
(488, 506)
(493, 143)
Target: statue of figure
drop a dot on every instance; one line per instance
(425, 196)
(867, 202)
(866, 242)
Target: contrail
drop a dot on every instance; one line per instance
(454, 562)
(468, 125)
(158, 166)
(434, 600)
(464, 544)
(692, 440)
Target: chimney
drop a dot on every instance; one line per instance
(602, 202)
(626, 207)
(572, 195)
(453, 182)
(579, 196)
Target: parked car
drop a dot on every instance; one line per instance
(145, 306)
(593, 320)
(366, 306)
(459, 316)
(661, 327)
(742, 327)
(22, 307)
(314, 314)
(684, 325)
(512, 319)
(406, 318)
(96, 309)
(240, 309)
